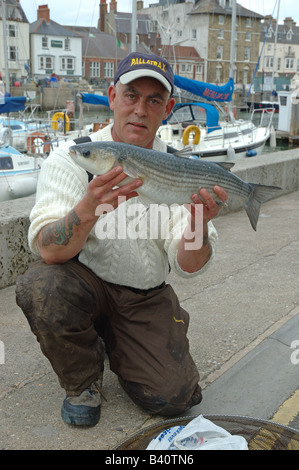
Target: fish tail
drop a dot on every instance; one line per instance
(259, 194)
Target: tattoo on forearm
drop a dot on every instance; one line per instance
(60, 232)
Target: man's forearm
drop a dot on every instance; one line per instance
(192, 260)
(61, 240)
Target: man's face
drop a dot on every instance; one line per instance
(139, 108)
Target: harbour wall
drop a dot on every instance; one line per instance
(275, 169)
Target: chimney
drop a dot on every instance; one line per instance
(288, 21)
(43, 13)
(113, 6)
(103, 12)
(139, 4)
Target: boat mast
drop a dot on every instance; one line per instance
(275, 47)
(133, 25)
(5, 46)
(232, 51)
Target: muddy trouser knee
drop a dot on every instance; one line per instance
(60, 306)
(151, 352)
(70, 310)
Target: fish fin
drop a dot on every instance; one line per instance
(259, 194)
(145, 200)
(226, 165)
(183, 152)
(132, 171)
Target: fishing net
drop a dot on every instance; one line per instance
(259, 434)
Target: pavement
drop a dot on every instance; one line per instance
(244, 337)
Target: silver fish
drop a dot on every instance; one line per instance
(170, 178)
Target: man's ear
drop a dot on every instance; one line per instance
(111, 96)
(169, 107)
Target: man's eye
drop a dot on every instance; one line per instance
(155, 102)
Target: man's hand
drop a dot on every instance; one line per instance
(103, 190)
(192, 260)
(211, 208)
(63, 239)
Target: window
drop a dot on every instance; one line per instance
(218, 74)
(220, 34)
(67, 44)
(245, 76)
(247, 53)
(248, 22)
(289, 63)
(109, 69)
(46, 62)
(269, 60)
(12, 31)
(289, 35)
(13, 53)
(226, 3)
(221, 19)
(193, 33)
(199, 68)
(94, 69)
(248, 37)
(6, 163)
(67, 63)
(44, 42)
(278, 63)
(219, 52)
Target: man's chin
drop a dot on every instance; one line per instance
(141, 138)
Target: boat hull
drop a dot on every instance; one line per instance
(18, 185)
(18, 174)
(228, 143)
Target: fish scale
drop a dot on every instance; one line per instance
(171, 178)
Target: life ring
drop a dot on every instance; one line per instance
(36, 143)
(186, 133)
(61, 122)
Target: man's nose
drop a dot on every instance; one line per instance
(140, 108)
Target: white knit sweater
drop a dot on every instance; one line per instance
(113, 250)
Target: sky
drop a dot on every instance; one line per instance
(86, 12)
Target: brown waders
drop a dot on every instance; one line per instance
(74, 313)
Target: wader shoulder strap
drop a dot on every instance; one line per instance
(82, 140)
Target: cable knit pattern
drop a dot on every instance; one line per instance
(112, 249)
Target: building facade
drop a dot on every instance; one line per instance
(54, 49)
(279, 54)
(206, 25)
(195, 36)
(16, 40)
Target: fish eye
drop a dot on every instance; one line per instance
(86, 153)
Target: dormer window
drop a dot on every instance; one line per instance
(225, 3)
(289, 35)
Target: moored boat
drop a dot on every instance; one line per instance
(18, 173)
